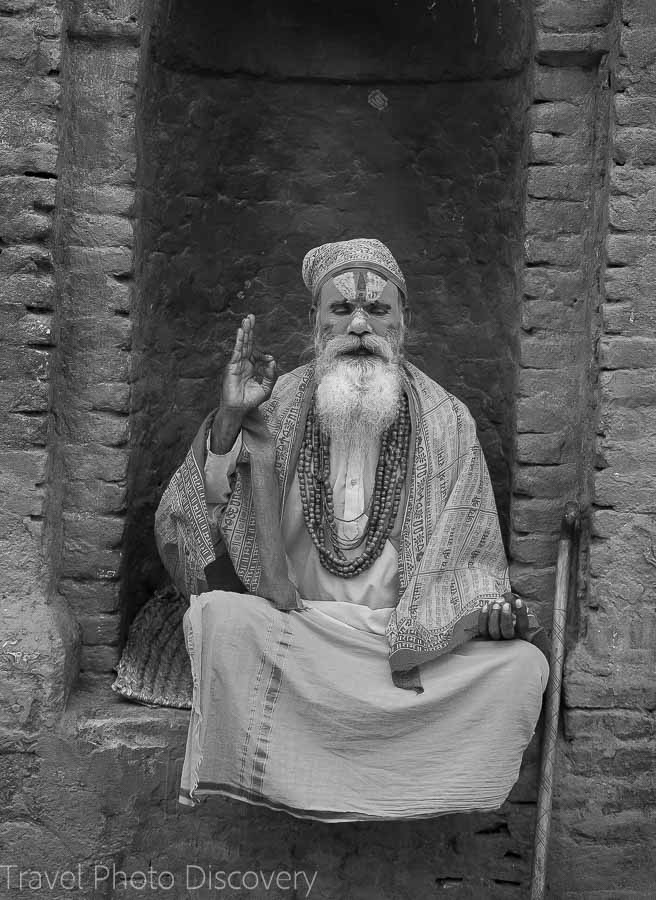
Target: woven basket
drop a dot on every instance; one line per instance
(154, 668)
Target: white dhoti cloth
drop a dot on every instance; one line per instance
(297, 711)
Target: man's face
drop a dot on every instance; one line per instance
(356, 304)
(358, 338)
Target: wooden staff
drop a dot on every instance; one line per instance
(564, 579)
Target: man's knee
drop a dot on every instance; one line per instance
(234, 610)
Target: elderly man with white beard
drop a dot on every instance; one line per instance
(367, 659)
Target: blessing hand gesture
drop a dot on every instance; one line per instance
(250, 375)
(248, 381)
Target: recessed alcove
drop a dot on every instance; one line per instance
(266, 131)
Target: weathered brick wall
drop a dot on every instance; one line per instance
(605, 809)
(95, 240)
(37, 658)
(586, 357)
(38, 639)
(565, 208)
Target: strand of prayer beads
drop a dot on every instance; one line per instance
(317, 494)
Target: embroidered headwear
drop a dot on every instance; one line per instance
(329, 260)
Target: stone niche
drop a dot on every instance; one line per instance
(266, 129)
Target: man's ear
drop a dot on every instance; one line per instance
(312, 316)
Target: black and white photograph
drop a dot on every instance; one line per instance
(327, 474)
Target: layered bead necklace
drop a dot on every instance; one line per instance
(317, 494)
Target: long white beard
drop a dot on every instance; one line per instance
(356, 400)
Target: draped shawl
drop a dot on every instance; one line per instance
(451, 558)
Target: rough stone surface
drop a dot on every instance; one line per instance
(97, 187)
(588, 366)
(621, 620)
(38, 645)
(345, 43)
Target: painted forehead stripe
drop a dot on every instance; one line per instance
(360, 284)
(330, 260)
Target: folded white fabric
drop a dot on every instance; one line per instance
(297, 711)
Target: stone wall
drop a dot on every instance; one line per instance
(95, 239)
(37, 649)
(607, 798)
(585, 355)
(565, 219)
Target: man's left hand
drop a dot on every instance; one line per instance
(505, 619)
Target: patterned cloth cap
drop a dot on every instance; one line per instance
(327, 260)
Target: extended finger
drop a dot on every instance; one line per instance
(522, 624)
(483, 618)
(238, 350)
(493, 627)
(247, 325)
(506, 625)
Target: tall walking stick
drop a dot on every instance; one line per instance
(566, 555)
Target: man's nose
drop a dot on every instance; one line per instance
(359, 323)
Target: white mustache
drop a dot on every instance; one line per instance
(344, 344)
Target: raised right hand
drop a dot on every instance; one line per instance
(248, 380)
(250, 375)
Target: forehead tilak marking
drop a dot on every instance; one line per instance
(361, 294)
(368, 286)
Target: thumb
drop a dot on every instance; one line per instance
(269, 374)
(522, 626)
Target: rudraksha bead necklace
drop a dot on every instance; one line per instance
(317, 493)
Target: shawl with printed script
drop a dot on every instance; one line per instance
(451, 557)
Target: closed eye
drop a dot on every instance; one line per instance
(378, 309)
(341, 309)
(347, 309)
